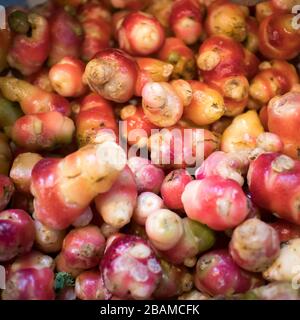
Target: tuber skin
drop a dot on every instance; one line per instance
(43, 131)
(138, 128)
(276, 77)
(186, 20)
(277, 37)
(95, 20)
(83, 247)
(177, 53)
(148, 177)
(227, 18)
(222, 63)
(89, 285)
(196, 239)
(48, 240)
(146, 204)
(173, 186)
(140, 34)
(116, 205)
(242, 133)
(16, 233)
(286, 266)
(207, 104)
(95, 114)
(161, 104)
(112, 73)
(254, 245)
(7, 190)
(86, 172)
(175, 281)
(283, 113)
(269, 142)
(227, 165)
(130, 268)
(84, 219)
(285, 230)
(21, 169)
(151, 70)
(30, 277)
(217, 202)
(66, 77)
(217, 273)
(28, 53)
(31, 98)
(62, 266)
(164, 229)
(65, 35)
(279, 190)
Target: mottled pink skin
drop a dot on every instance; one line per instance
(124, 194)
(66, 77)
(28, 54)
(66, 36)
(93, 44)
(89, 285)
(7, 189)
(127, 34)
(147, 176)
(186, 9)
(96, 24)
(217, 273)
(16, 233)
(128, 274)
(42, 131)
(223, 164)
(124, 69)
(217, 202)
(173, 186)
(37, 100)
(232, 58)
(62, 266)
(83, 247)
(196, 238)
(283, 114)
(254, 245)
(49, 206)
(30, 278)
(30, 284)
(273, 190)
